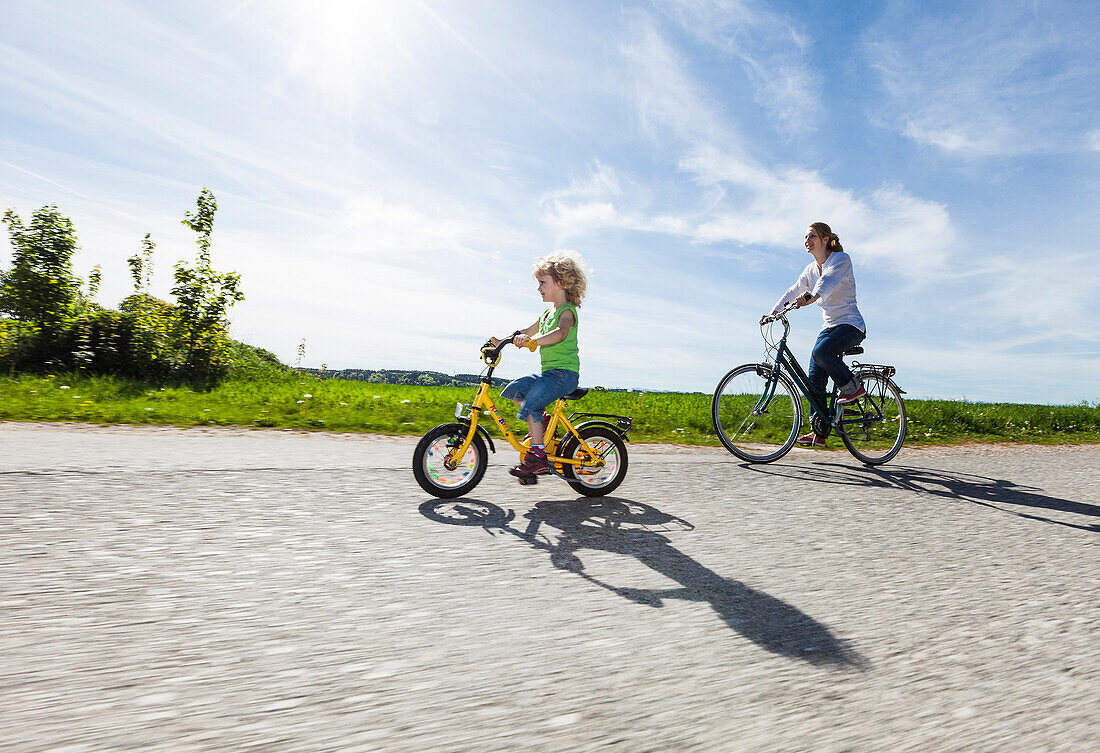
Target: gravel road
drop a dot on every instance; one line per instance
(230, 590)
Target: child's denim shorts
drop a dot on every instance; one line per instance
(539, 390)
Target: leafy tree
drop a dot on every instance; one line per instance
(203, 296)
(40, 287)
(94, 279)
(151, 320)
(57, 325)
(141, 265)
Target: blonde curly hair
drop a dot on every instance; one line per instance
(565, 267)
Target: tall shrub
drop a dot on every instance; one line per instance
(40, 286)
(39, 292)
(203, 297)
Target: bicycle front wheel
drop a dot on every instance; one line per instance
(434, 476)
(756, 417)
(873, 427)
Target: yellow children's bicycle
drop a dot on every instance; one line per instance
(588, 450)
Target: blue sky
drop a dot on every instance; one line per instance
(388, 170)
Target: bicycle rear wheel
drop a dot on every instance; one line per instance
(595, 482)
(749, 423)
(873, 427)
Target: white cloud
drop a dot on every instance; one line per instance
(601, 182)
(1042, 296)
(386, 229)
(888, 226)
(599, 201)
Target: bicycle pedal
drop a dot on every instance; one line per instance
(527, 480)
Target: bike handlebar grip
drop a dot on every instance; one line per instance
(530, 344)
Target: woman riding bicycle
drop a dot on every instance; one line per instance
(828, 281)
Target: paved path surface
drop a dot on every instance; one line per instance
(222, 590)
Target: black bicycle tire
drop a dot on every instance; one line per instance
(796, 402)
(421, 475)
(571, 444)
(868, 377)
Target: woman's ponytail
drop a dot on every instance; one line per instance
(832, 240)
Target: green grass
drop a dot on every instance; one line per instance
(297, 402)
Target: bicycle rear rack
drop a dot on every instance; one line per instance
(622, 423)
(881, 370)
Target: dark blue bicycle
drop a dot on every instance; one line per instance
(758, 408)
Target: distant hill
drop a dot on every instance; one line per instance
(423, 378)
(402, 376)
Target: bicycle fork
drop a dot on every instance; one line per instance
(769, 373)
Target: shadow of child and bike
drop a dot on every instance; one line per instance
(563, 529)
(965, 487)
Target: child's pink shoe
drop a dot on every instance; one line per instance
(534, 464)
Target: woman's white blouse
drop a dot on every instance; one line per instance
(836, 286)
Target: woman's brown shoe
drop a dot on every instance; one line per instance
(811, 440)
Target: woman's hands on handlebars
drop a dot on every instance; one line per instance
(803, 300)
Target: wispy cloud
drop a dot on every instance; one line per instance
(771, 48)
(600, 201)
(387, 171)
(1039, 300)
(877, 225)
(995, 79)
(69, 190)
(382, 228)
(761, 204)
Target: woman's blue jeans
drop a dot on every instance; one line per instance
(826, 361)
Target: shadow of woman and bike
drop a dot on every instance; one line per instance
(965, 487)
(564, 528)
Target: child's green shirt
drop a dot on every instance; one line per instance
(563, 355)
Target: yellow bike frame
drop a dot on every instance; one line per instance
(484, 401)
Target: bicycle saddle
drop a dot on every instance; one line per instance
(854, 351)
(577, 394)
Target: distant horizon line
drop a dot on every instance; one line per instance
(642, 390)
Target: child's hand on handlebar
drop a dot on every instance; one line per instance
(521, 340)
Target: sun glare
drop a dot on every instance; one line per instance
(348, 48)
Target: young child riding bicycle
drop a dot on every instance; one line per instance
(828, 281)
(561, 283)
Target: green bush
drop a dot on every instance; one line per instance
(57, 327)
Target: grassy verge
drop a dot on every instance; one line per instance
(336, 405)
